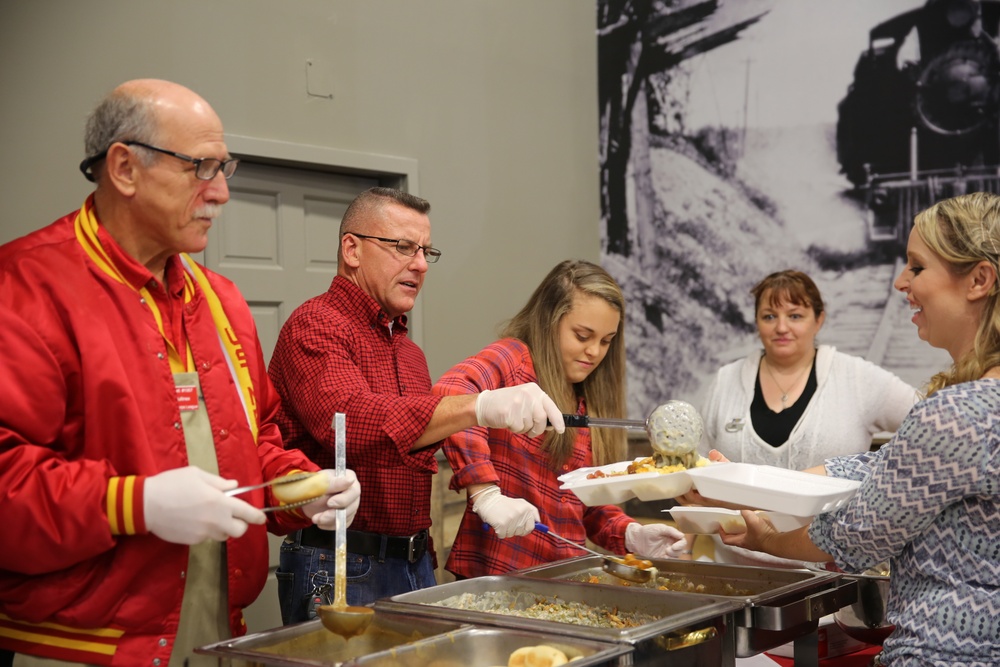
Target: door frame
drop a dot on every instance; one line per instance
(390, 170)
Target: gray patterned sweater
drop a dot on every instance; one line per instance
(929, 504)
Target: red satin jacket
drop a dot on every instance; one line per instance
(88, 412)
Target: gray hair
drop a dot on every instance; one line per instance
(121, 116)
(369, 204)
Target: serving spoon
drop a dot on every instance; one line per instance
(338, 617)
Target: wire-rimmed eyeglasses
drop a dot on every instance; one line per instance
(205, 168)
(404, 247)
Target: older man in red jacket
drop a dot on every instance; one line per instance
(135, 395)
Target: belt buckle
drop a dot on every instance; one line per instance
(411, 548)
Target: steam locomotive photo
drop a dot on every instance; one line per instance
(920, 121)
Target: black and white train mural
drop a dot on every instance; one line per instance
(742, 137)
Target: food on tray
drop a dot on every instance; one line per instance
(546, 609)
(647, 464)
(684, 585)
(537, 656)
(313, 486)
(634, 561)
(678, 584)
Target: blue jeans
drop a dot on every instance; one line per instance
(302, 570)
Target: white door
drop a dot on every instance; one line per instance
(277, 240)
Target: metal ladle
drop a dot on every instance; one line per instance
(339, 618)
(674, 429)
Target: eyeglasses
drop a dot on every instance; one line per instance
(404, 247)
(205, 168)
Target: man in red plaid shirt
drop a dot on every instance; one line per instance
(347, 350)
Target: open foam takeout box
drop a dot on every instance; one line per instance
(617, 488)
(771, 488)
(758, 486)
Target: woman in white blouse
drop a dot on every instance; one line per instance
(794, 404)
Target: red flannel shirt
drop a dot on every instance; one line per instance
(336, 353)
(518, 464)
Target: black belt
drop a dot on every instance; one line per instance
(411, 548)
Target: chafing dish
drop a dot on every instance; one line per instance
(310, 643)
(690, 629)
(485, 647)
(401, 640)
(780, 605)
(865, 620)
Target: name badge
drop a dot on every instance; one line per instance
(187, 397)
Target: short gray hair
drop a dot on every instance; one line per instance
(121, 116)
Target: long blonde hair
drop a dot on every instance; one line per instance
(964, 231)
(537, 325)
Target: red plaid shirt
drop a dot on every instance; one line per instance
(336, 353)
(518, 464)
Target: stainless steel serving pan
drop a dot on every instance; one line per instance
(780, 605)
(400, 640)
(310, 643)
(690, 628)
(486, 647)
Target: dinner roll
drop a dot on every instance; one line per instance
(313, 486)
(537, 656)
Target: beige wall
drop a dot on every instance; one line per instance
(494, 99)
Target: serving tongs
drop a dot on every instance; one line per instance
(613, 565)
(674, 429)
(276, 481)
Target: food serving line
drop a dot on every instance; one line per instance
(689, 613)
(741, 611)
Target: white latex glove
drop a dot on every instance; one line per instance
(343, 493)
(656, 540)
(510, 517)
(523, 408)
(187, 506)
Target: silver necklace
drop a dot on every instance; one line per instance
(784, 393)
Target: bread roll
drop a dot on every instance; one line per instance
(313, 486)
(537, 656)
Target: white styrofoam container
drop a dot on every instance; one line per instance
(645, 486)
(772, 488)
(708, 520)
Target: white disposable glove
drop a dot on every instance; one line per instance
(187, 506)
(656, 540)
(523, 408)
(343, 493)
(510, 517)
